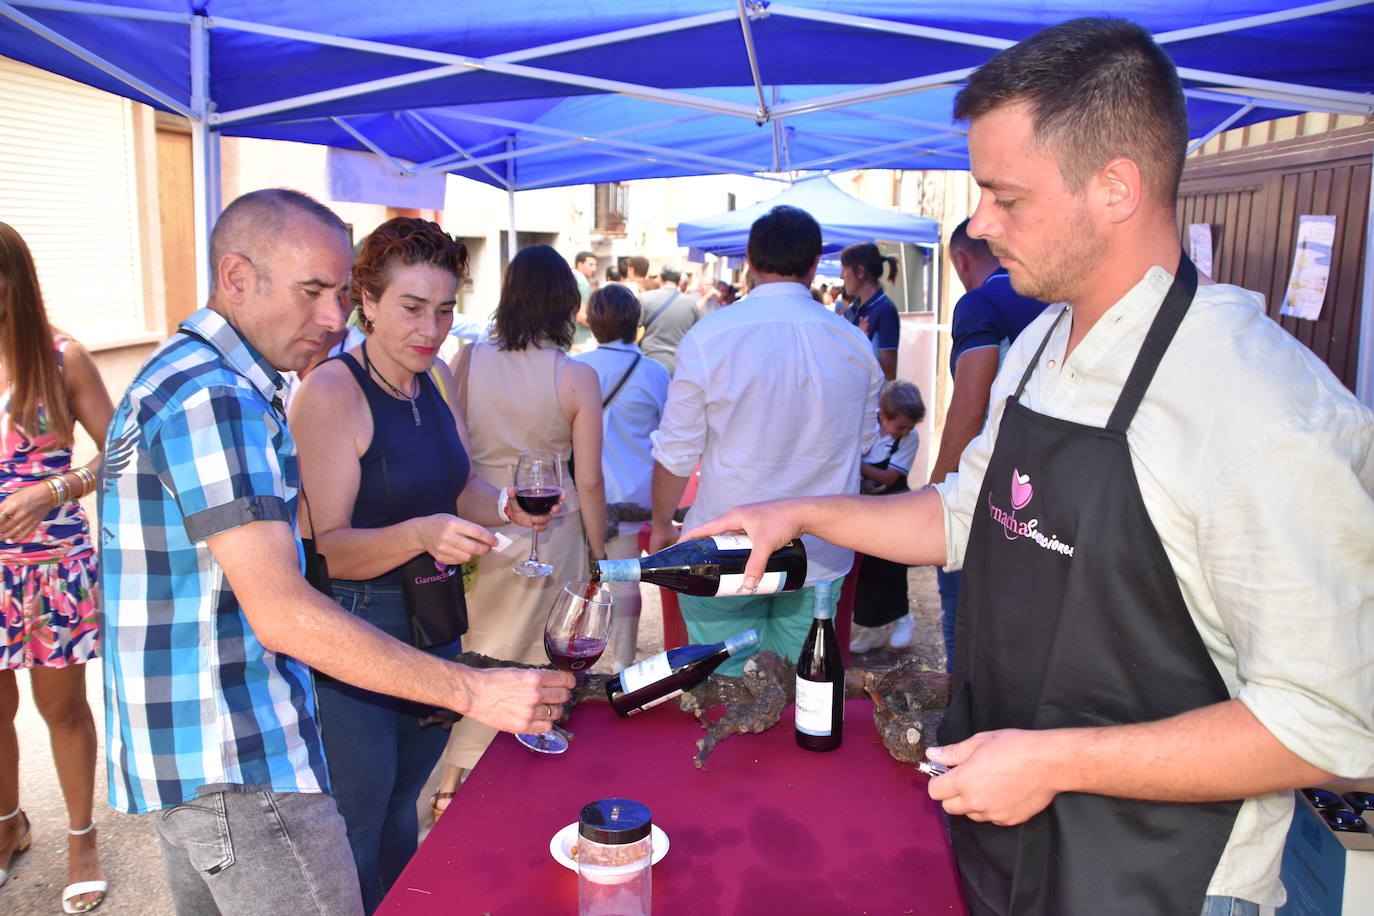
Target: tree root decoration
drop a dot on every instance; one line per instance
(908, 702)
(753, 703)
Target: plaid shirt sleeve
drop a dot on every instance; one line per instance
(218, 461)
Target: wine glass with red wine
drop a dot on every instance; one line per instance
(575, 635)
(538, 488)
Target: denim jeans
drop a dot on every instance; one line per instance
(254, 853)
(1228, 906)
(379, 756)
(949, 608)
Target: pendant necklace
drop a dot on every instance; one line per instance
(414, 411)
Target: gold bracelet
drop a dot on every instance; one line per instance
(56, 494)
(66, 488)
(87, 480)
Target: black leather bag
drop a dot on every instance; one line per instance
(433, 594)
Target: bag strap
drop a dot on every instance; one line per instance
(621, 384)
(661, 309)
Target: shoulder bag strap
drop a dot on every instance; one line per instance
(661, 309)
(621, 384)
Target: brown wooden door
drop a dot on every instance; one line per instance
(1252, 198)
(176, 206)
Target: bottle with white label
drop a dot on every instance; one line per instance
(820, 680)
(711, 567)
(662, 677)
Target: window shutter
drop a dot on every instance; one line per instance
(67, 184)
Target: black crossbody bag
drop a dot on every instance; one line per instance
(432, 591)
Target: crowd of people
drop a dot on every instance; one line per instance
(271, 474)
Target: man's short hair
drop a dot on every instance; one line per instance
(613, 314)
(639, 264)
(902, 399)
(1096, 89)
(785, 241)
(960, 240)
(669, 274)
(582, 256)
(257, 218)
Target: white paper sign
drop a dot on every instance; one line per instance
(363, 178)
(1311, 268)
(1200, 246)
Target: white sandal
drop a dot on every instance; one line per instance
(83, 887)
(23, 844)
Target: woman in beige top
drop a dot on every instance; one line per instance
(519, 390)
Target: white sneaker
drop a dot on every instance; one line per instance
(866, 639)
(903, 634)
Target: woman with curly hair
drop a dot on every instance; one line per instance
(386, 478)
(48, 602)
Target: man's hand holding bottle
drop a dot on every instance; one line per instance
(769, 525)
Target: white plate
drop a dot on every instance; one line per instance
(564, 839)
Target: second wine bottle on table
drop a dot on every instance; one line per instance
(820, 680)
(711, 567)
(667, 674)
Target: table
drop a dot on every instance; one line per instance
(766, 828)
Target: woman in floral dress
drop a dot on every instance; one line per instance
(48, 382)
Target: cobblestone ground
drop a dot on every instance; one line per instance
(129, 849)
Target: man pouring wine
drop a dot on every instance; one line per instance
(1160, 629)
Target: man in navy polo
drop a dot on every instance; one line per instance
(987, 318)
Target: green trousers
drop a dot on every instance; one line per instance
(782, 620)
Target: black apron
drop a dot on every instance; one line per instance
(880, 595)
(1071, 616)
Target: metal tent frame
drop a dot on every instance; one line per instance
(342, 111)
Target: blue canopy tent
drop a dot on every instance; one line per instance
(845, 220)
(535, 93)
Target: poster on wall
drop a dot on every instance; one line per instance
(1200, 246)
(1311, 268)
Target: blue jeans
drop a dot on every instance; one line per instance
(379, 756)
(1228, 906)
(949, 609)
(253, 853)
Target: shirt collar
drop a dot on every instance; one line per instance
(873, 300)
(780, 288)
(240, 355)
(620, 345)
(1128, 315)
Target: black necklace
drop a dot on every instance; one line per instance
(414, 411)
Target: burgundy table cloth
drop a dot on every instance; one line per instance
(766, 828)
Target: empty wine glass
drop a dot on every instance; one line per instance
(575, 635)
(538, 488)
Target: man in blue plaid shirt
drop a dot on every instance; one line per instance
(211, 631)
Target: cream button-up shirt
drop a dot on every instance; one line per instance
(1257, 469)
(777, 396)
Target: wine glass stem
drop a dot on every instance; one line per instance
(534, 548)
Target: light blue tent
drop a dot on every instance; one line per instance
(845, 220)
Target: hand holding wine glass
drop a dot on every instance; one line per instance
(575, 635)
(538, 488)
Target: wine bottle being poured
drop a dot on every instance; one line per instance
(711, 567)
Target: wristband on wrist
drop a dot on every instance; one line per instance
(503, 505)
